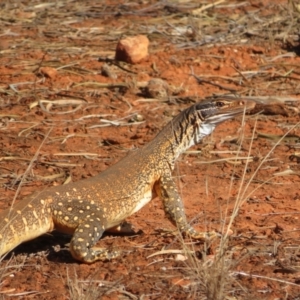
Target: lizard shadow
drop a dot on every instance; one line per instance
(54, 247)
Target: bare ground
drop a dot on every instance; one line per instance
(84, 122)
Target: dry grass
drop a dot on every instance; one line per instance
(216, 277)
(91, 289)
(185, 25)
(182, 24)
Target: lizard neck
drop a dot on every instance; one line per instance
(184, 131)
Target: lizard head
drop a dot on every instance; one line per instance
(215, 111)
(206, 115)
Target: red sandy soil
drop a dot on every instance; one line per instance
(262, 257)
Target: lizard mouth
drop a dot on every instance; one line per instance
(241, 106)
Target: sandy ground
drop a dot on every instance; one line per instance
(86, 122)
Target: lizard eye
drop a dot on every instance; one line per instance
(220, 104)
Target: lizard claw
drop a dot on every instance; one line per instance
(206, 236)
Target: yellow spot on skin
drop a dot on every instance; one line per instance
(74, 190)
(12, 228)
(60, 204)
(18, 212)
(57, 193)
(69, 208)
(81, 211)
(92, 202)
(88, 207)
(66, 218)
(0, 236)
(79, 197)
(43, 211)
(80, 240)
(75, 218)
(60, 213)
(87, 225)
(35, 214)
(24, 221)
(29, 205)
(67, 194)
(80, 230)
(55, 212)
(42, 201)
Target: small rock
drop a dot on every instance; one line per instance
(157, 88)
(132, 49)
(180, 257)
(270, 109)
(230, 232)
(107, 71)
(48, 72)
(137, 118)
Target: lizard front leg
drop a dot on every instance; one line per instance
(173, 206)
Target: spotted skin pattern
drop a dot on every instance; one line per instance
(89, 207)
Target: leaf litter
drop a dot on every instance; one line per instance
(201, 49)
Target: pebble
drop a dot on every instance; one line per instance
(48, 72)
(132, 49)
(157, 88)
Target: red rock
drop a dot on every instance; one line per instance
(132, 49)
(48, 72)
